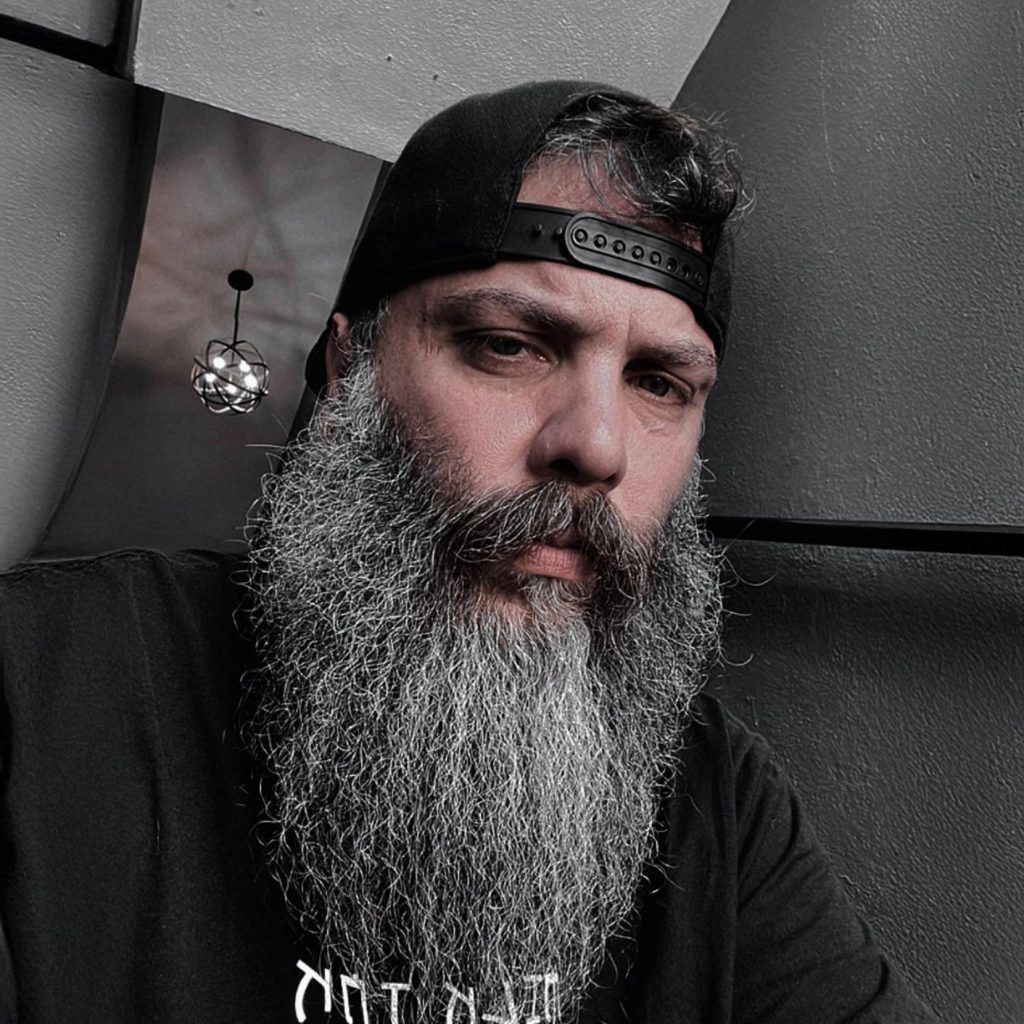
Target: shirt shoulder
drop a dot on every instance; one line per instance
(723, 765)
(38, 578)
(713, 731)
(127, 630)
(127, 793)
(801, 952)
(49, 604)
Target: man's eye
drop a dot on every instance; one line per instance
(496, 348)
(661, 387)
(502, 346)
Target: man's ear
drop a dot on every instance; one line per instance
(339, 348)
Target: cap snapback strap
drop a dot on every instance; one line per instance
(588, 240)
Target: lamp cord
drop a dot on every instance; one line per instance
(238, 303)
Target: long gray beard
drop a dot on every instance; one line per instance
(463, 795)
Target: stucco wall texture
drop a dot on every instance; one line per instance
(365, 74)
(874, 373)
(74, 161)
(876, 365)
(891, 685)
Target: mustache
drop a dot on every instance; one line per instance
(499, 527)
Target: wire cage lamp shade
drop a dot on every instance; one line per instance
(231, 376)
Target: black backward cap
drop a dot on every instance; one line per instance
(447, 200)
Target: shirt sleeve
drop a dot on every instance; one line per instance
(803, 955)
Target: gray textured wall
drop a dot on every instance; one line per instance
(892, 684)
(75, 154)
(875, 373)
(876, 368)
(365, 74)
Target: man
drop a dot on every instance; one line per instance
(486, 787)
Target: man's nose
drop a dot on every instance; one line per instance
(582, 439)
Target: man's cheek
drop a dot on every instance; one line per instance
(492, 446)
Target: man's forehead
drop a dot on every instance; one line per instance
(563, 178)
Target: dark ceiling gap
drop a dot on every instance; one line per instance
(111, 59)
(938, 538)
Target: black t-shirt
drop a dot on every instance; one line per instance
(131, 888)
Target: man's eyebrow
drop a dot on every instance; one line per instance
(463, 307)
(680, 353)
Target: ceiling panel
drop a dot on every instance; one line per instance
(365, 74)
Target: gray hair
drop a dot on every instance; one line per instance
(669, 165)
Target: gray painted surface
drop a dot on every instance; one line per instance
(876, 366)
(226, 192)
(74, 155)
(91, 20)
(365, 74)
(892, 684)
(875, 372)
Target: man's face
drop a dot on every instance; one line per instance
(532, 371)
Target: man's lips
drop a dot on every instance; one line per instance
(560, 559)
